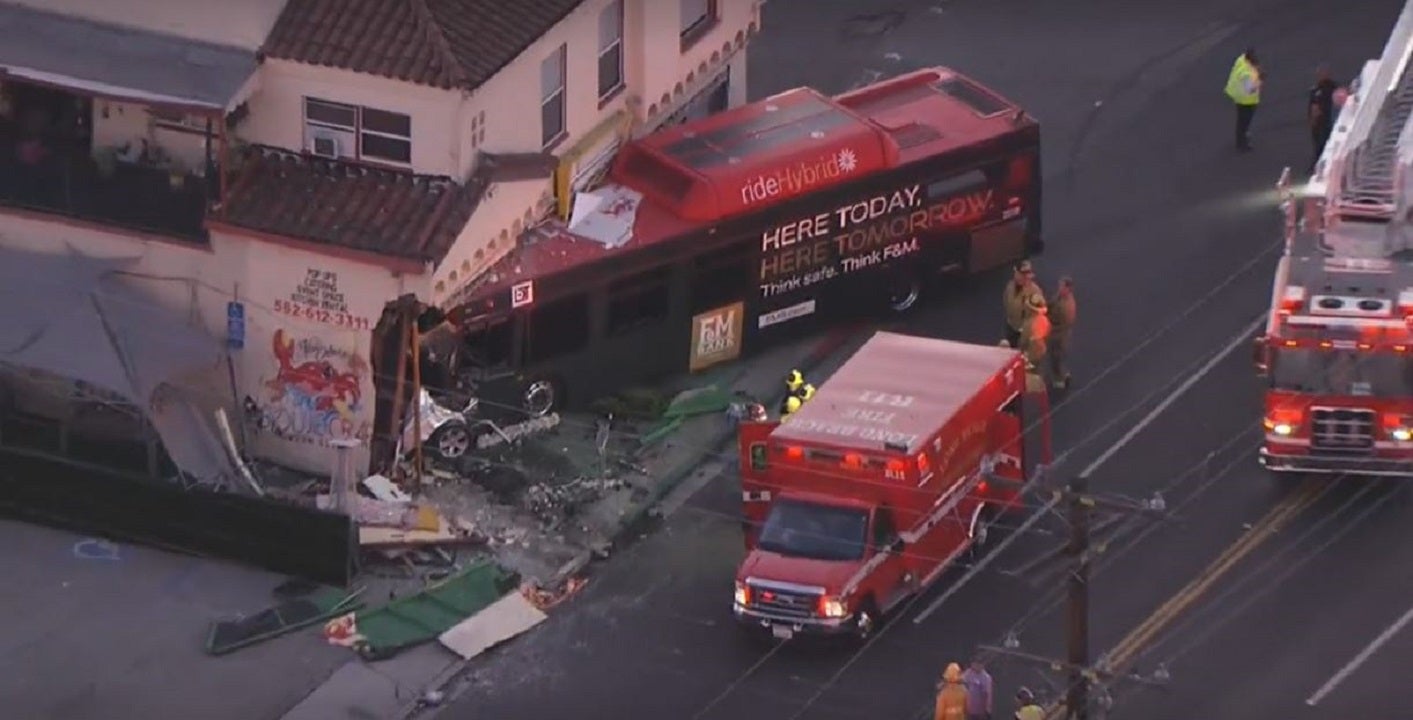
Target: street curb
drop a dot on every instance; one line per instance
(670, 481)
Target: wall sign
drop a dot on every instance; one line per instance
(716, 336)
(319, 298)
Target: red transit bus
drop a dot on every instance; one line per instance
(715, 238)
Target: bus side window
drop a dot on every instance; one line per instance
(883, 532)
(637, 300)
(559, 328)
(956, 185)
(493, 344)
(723, 277)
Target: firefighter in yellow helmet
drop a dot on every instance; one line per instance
(806, 392)
(794, 381)
(951, 695)
(1021, 286)
(1027, 709)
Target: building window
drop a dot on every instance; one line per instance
(610, 49)
(349, 131)
(179, 121)
(552, 98)
(698, 17)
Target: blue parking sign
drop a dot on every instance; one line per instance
(235, 325)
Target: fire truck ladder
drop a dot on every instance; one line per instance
(1371, 178)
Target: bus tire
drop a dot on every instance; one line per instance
(542, 396)
(904, 292)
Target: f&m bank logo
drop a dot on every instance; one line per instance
(716, 336)
(798, 177)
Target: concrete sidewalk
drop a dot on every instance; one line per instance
(400, 684)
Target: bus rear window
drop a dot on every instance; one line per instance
(723, 277)
(637, 300)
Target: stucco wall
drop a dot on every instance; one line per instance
(662, 73)
(304, 369)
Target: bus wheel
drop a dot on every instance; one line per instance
(541, 397)
(904, 293)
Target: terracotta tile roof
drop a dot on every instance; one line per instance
(387, 212)
(442, 43)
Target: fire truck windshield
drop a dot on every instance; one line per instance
(817, 532)
(1342, 372)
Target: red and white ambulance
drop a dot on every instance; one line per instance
(890, 472)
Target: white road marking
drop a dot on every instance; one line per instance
(1360, 659)
(1241, 339)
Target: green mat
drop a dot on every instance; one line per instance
(419, 618)
(701, 401)
(230, 635)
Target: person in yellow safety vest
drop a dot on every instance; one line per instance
(1061, 314)
(792, 404)
(951, 695)
(1244, 89)
(794, 381)
(1036, 333)
(806, 392)
(1021, 286)
(1027, 709)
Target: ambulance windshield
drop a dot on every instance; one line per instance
(1342, 372)
(817, 532)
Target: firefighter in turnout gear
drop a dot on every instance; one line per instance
(794, 381)
(1061, 314)
(1027, 709)
(1035, 333)
(951, 695)
(790, 406)
(1021, 286)
(806, 392)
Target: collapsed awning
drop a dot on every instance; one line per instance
(122, 63)
(83, 318)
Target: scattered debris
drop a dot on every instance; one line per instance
(554, 504)
(384, 489)
(230, 635)
(389, 514)
(512, 433)
(446, 532)
(502, 620)
(413, 620)
(545, 600)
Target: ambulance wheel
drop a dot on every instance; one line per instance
(981, 533)
(866, 624)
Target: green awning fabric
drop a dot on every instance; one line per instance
(420, 618)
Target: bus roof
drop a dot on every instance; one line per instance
(897, 390)
(755, 156)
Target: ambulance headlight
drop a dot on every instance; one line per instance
(832, 607)
(1282, 428)
(1402, 434)
(743, 594)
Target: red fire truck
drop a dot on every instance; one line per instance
(1335, 354)
(893, 469)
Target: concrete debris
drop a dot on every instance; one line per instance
(384, 489)
(554, 504)
(547, 599)
(512, 433)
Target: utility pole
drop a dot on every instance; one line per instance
(1078, 610)
(1079, 553)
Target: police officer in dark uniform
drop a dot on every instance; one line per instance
(1321, 111)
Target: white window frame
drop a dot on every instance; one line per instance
(357, 130)
(615, 8)
(547, 95)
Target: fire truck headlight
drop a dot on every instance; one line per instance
(1402, 434)
(1282, 428)
(832, 607)
(743, 594)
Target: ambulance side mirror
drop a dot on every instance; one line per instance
(1261, 356)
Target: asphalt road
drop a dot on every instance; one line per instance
(1171, 239)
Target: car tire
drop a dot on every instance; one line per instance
(867, 622)
(982, 534)
(903, 293)
(452, 441)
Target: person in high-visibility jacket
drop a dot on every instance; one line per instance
(1021, 286)
(951, 695)
(806, 392)
(794, 381)
(1026, 708)
(1244, 89)
(1035, 335)
(792, 405)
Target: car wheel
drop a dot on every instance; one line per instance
(540, 398)
(866, 624)
(981, 534)
(452, 441)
